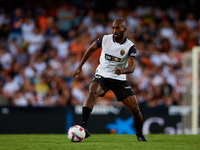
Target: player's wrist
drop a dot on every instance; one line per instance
(80, 67)
(121, 71)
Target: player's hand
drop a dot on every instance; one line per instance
(117, 71)
(77, 72)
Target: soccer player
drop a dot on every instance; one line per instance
(118, 58)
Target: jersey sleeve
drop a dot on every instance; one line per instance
(99, 42)
(132, 52)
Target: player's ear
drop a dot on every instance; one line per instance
(125, 28)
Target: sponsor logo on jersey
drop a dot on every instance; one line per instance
(106, 47)
(122, 52)
(116, 59)
(112, 58)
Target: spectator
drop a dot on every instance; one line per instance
(50, 98)
(29, 71)
(27, 29)
(132, 20)
(190, 21)
(35, 42)
(76, 47)
(19, 99)
(41, 87)
(64, 98)
(5, 59)
(35, 101)
(43, 21)
(79, 93)
(65, 16)
(10, 87)
(21, 56)
(88, 19)
(4, 99)
(166, 30)
(19, 77)
(4, 17)
(16, 22)
(13, 47)
(54, 37)
(55, 64)
(40, 66)
(166, 88)
(62, 48)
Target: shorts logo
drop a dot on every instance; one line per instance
(97, 76)
(127, 87)
(122, 52)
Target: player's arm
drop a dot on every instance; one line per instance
(132, 56)
(129, 69)
(93, 47)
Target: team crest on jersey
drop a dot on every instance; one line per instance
(122, 52)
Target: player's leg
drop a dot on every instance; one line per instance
(132, 105)
(94, 91)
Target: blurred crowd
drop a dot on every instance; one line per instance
(42, 43)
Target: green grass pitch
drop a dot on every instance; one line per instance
(98, 142)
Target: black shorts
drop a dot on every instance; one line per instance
(121, 89)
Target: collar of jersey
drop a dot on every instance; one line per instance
(119, 43)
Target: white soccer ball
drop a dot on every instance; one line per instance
(76, 133)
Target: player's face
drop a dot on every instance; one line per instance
(118, 30)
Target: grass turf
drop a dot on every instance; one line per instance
(98, 142)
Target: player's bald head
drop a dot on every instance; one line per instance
(120, 22)
(119, 29)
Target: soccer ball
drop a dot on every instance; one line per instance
(76, 133)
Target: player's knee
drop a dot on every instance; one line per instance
(135, 109)
(93, 93)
